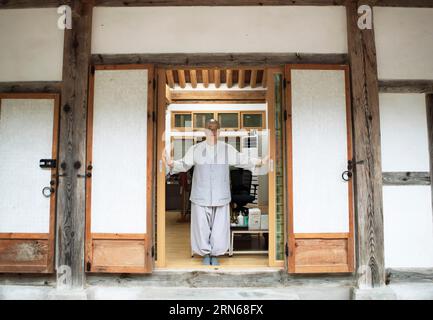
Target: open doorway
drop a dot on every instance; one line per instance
(237, 98)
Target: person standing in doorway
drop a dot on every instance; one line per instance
(210, 194)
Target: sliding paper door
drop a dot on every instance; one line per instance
(28, 133)
(119, 170)
(319, 170)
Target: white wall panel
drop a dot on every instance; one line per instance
(26, 135)
(31, 45)
(219, 29)
(408, 226)
(320, 196)
(404, 137)
(404, 42)
(119, 182)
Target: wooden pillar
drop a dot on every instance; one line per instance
(429, 106)
(72, 156)
(367, 154)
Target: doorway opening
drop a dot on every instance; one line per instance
(238, 99)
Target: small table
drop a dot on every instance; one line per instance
(244, 230)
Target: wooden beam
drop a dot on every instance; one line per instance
(31, 87)
(20, 4)
(241, 78)
(429, 109)
(229, 78)
(170, 78)
(259, 95)
(181, 76)
(406, 178)
(72, 143)
(211, 76)
(205, 77)
(406, 86)
(193, 78)
(367, 155)
(264, 78)
(217, 78)
(223, 60)
(253, 78)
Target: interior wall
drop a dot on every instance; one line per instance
(404, 138)
(219, 29)
(407, 210)
(404, 42)
(31, 45)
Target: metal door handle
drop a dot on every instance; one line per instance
(160, 165)
(271, 165)
(47, 191)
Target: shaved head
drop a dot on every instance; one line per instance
(212, 124)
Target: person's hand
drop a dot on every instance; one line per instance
(263, 161)
(168, 162)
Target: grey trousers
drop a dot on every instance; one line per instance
(210, 229)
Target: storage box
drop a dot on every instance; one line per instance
(254, 216)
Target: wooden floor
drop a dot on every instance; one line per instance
(178, 250)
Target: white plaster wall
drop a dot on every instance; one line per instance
(404, 42)
(219, 29)
(403, 132)
(408, 226)
(31, 45)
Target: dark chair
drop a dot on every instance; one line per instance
(241, 189)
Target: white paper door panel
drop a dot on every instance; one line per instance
(320, 196)
(26, 135)
(119, 179)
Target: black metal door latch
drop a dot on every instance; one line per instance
(348, 174)
(48, 163)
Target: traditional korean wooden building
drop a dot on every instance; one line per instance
(339, 95)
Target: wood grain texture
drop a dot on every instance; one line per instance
(16, 4)
(258, 95)
(72, 143)
(237, 60)
(406, 86)
(429, 112)
(406, 178)
(31, 87)
(367, 152)
(24, 255)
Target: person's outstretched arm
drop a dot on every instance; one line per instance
(242, 159)
(182, 165)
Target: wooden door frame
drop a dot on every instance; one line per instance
(289, 177)
(50, 236)
(160, 188)
(148, 236)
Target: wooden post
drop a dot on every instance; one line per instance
(367, 154)
(429, 106)
(72, 144)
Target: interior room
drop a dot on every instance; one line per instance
(237, 99)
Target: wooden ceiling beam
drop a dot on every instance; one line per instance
(229, 78)
(181, 76)
(193, 78)
(170, 78)
(21, 4)
(253, 78)
(217, 78)
(241, 78)
(264, 77)
(259, 95)
(205, 77)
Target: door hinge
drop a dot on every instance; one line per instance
(153, 251)
(285, 115)
(284, 83)
(154, 84)
(153, 116)
(92, 69)
(88, 266)
(287, 249)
